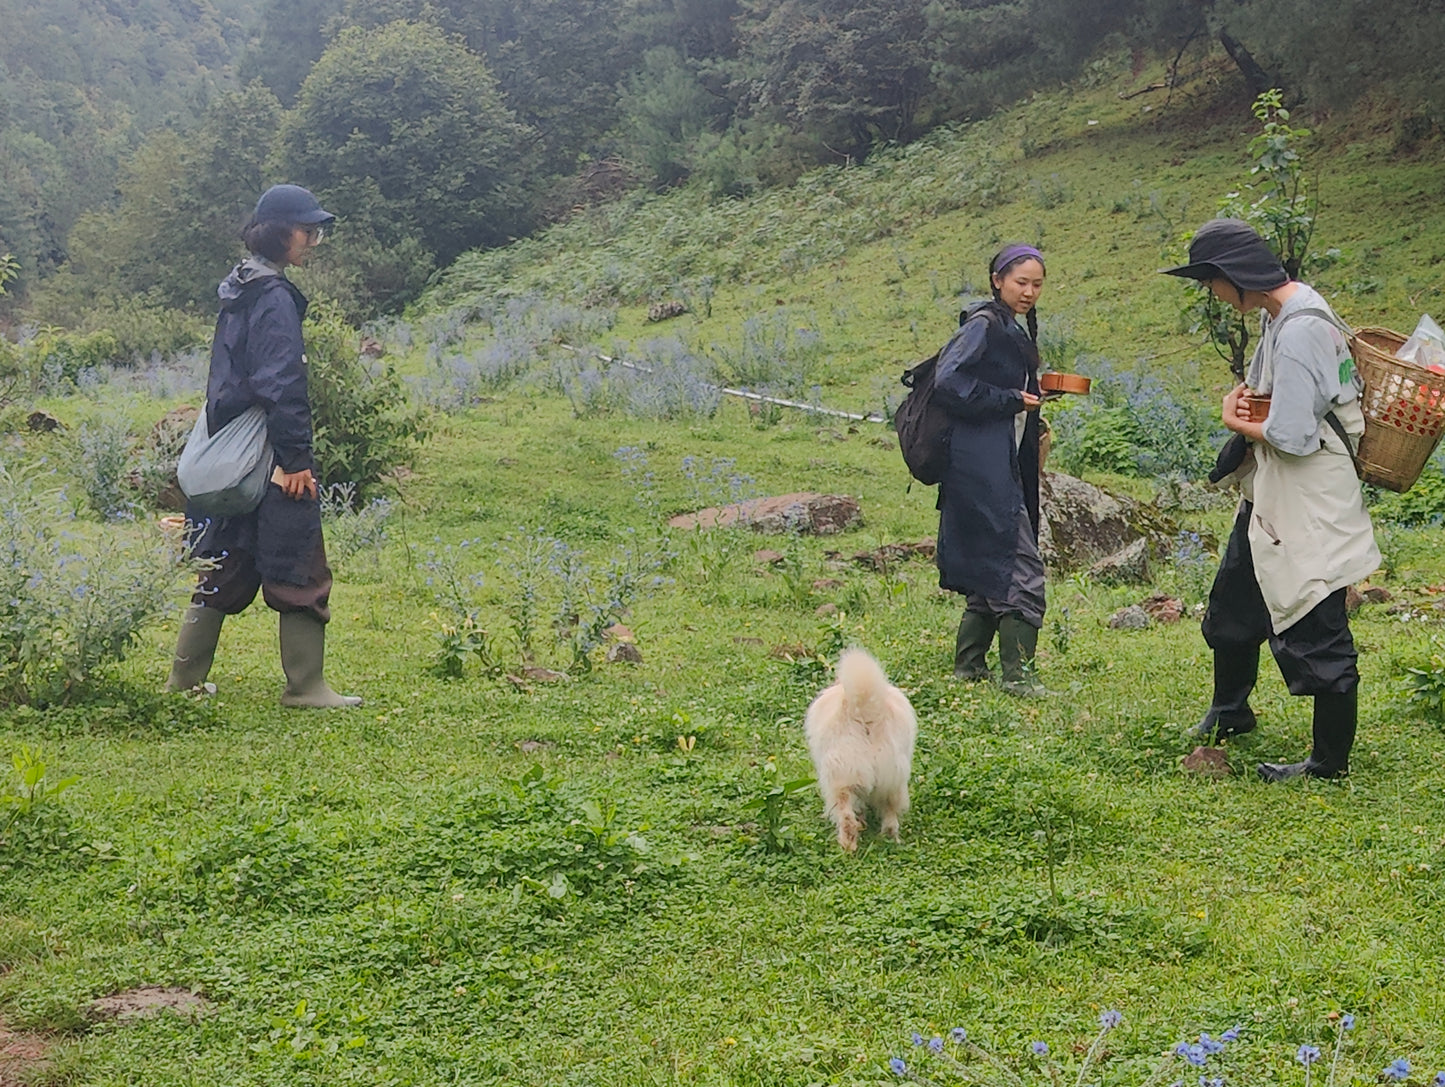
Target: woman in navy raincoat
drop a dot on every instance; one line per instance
(277, 549)
(988, 529)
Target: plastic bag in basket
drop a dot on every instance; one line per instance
(1426, 346)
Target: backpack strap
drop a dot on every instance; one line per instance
(1339, 429)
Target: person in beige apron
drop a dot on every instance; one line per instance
(1302, 534)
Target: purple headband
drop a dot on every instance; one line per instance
(1013, 253)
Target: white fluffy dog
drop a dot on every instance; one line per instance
(860, 733)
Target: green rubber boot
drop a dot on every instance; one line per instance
(1017, 643)
(195, 648)
(303, 655)
(975, 635)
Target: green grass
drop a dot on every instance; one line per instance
(372, 897)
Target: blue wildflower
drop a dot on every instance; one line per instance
(897, 1066)
(1210, 1045)
(1397, 1069)
(1347, 1021)
(958, 1035)
(1439, 1080)
(917, 1038)
(935, 1044)
(1211, 1081)
(1196, 1055)
(1181, 1049)
(1231, 1035)
(1041, 1049)
(1307, 1054)
(1110, 1019)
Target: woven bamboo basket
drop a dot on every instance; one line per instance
(1404, 407)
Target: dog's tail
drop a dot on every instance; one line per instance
(863, 682)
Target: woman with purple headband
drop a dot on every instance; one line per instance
(988, 503)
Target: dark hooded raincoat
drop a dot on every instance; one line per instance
(256, 358)
(991, 478)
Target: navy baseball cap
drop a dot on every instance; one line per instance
(1231, 249)
(290, 204)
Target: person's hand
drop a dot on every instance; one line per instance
(1234, 414)
(1030, 400)
(296, 485)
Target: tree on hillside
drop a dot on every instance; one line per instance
(183, 199)
(404, 132)
(849, 72)
(557, 62)
(665, 109)
(292, 37)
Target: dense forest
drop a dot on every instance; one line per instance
(135, 133)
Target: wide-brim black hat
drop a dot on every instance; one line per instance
(1231, 249)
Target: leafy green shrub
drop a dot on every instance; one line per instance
(1424, 684)
(70, 604)
(16, 376)
(362, 426)
(1132, 424)
(104, 447)
(1422, 504)
(140, 331)
(530, 836)
(36, 825)
(269, 862)
(57, 358)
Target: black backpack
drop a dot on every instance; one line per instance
(923, 426)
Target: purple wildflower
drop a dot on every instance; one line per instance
(1110, 1019)
(958, 1035)
(1397, 1069)
(1307, 1054)
(1041, 1049)
(897, 1066)
(935, 1044)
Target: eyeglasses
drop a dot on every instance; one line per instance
(316, 233)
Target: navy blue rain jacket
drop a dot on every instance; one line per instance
(256, 358)
(980, 376)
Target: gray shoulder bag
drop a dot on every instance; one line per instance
(226, 473)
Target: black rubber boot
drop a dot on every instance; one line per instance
(1235, 673)
(975, 635)
(1335, 719)
(195, 648)
(1017, 643)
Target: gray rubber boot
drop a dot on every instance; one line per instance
(303, 657)
(975, 635)
(1017, 643)
(195, 648)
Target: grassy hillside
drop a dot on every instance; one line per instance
(605, 879)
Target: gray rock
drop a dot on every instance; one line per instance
(1083, 523)
(810, 514)
(1127, 566)
(1131, 618)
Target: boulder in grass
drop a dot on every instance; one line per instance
(1131, 618)
(803, 512)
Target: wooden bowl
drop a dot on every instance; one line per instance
(1054, 382)
(1258, 408)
